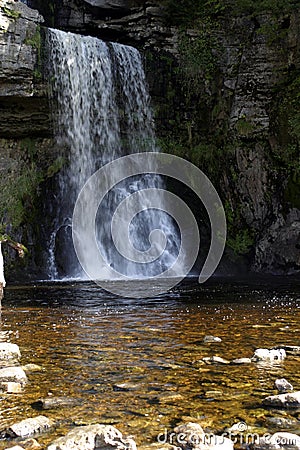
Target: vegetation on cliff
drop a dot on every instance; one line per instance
(215, 128)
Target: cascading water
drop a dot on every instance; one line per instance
(102, 112)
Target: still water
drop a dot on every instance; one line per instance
(87, 341)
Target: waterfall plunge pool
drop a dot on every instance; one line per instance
(88, 341)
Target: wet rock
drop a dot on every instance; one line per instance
(13, 374)
(55, 402)
(264, 354)
(93, 437)
(213, 394)
(28, 427)
(291, 400)
(169, 398)
(126, 387)
(241, 361)
(282, 385)
(211, 339)
(30, 368)
(277, 441)
(215, 360)
(282, 422)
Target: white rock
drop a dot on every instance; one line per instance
(29, 427)
(14, 374)
(9, 351)
(93, 437)
(282, 385)
(11, 387)
(264, 354)
(291, 400)
(210, 339)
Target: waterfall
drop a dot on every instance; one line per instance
(101, 112)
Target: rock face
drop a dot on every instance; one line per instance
(110, 4)
(234, 116)
(24, 106)
(93, 437)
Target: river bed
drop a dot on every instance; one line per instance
(88, 341)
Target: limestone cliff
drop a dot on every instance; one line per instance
(225, 95)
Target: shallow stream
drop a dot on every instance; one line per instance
(88, 341)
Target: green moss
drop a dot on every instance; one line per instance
(17, 196)
(240, 238)
(241, 243)
(243, 127)
(35, 41)
(55, 167)
(197, 62)
(20, 187)
(11, 13)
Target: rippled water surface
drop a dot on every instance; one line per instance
(87, 341)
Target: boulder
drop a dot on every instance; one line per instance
(55, 402)
(13, 374)
(291, 400)
(28, 427)
(93, 437)
(191, 436)
(9, 352)
(264, 354)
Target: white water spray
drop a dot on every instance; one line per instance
(102, 113)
